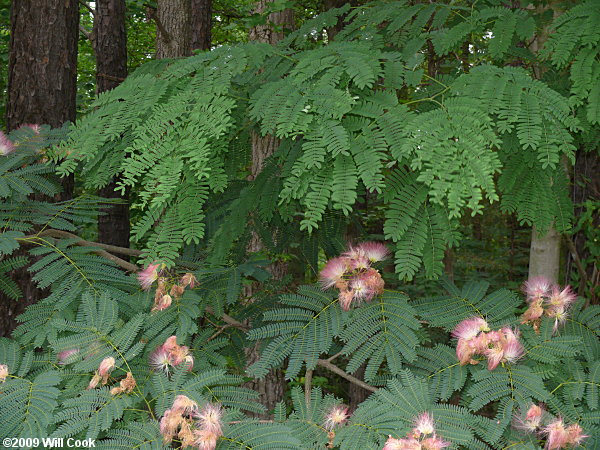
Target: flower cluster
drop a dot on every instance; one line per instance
(353, 275)
(170, 354)
(498, 346)
(335, 417)
(421, 437)
(3, 372)
(163, 297)
(103, 372)
(556, 433)
(195, 427)
(545, 298)
(6, 145)
(126, 385)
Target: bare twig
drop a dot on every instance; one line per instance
(85, 32)
(228, 319)
(578, 263)
(335, 369)
(308, 386)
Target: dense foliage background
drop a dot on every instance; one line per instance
(458, 139)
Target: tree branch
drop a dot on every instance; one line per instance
(88, 7)
(578, 263)
(66, 235)
(335, 369)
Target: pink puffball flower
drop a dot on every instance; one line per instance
(148, 276)
(3, 372)
(532, 420)
(184, 405)
(106, 367)
(209, 418)
(169, 424)
(170, 344)
(374, 282)
(354, 252)
(359, 289)
(562, 298)
(434, 443)
(345, 299)
(64, 357)
(205, 440)
(337, 416)
(34, 127)
(164, 302)
(360, 263)
(534, 312)
(6, 145)
(160, 360)
(537, 287)
(465, 352)
(402, 444)
(557, 435)
(494, 355)
(374, 251)
(188, 279)
(333, 272)
(424, 424)
(470, 328)
(94, 381)
(575, 434)
(513, 351)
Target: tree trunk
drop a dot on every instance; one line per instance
(544, 257)
(201, 24)
(110, 47)
(272, 387)
(173, 29)
(42, 77)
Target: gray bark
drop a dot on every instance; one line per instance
(173, 29)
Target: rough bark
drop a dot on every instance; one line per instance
(272, 387)
(110, 47)
(42, 76)
(173, 29)
(201, 24)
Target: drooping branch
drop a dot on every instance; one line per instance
(335, 369)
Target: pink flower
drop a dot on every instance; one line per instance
(374, 251)
(560, 316)
(534, 312)
(94, 381)
(35, 127)
(184, 405)
(6, 145)
(170, 344)
(434, 443)
(354, 252)
(536, 288)
(557, 435)
(346, 298)
(209, 418)
(333, 272)
(494, 355)
(359, 289)
(337, 415)
(513, 351)
(470, 328)
(402, 444)
(374, 283)
(359, 263)
(532, 421)
(149, 275)
(205, 440)
(106, 366)
(575, 434)
(64, 356)
(169, 424)
(164, 302)
(189, 280)
(424, 424)
(465, 351)
(3, 372)
(160, 360)
(562, 298)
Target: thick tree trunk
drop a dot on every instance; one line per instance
(110, 47)
(42, 76)
(544, 255)
(173, 29)
(201, 24)
(272, 387)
